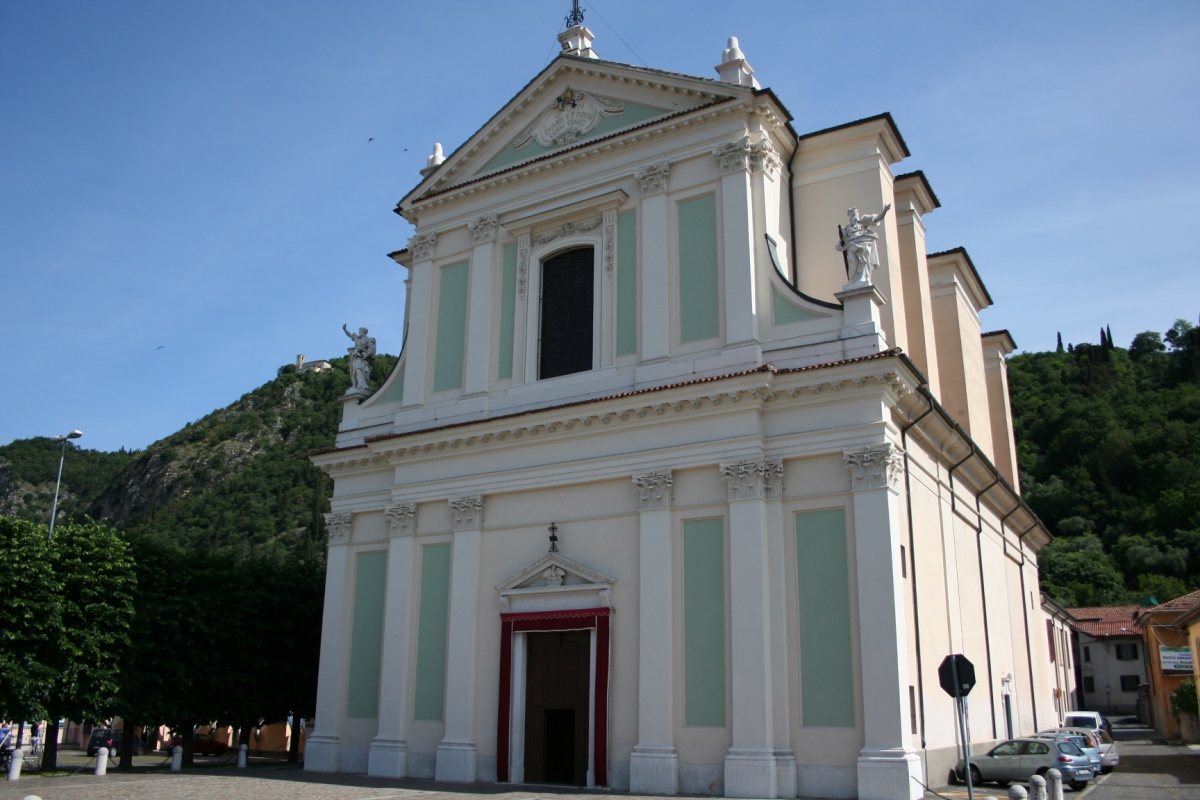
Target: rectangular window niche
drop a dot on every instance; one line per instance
(627, 283)
(826, 671)
(451, 327)
(699, 311)
(366, 636)
(431, 633)
(704, 622)
(508, 311)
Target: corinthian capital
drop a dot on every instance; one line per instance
(402, 519)
(749, 479)
(466, 513)
(339, 527)
(422, 245)
(483, 228)
(652, 179)
(875, 467)
(653, 490)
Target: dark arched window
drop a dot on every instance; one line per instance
(567, 302)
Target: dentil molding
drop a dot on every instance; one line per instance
(875, 467)
(402, 519)
(339, 527)
(653, 490)
(466, 513)
(750, 479)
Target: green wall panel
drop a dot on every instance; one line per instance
(366, 635)
(785, 312)
(432, 627)
(508, 310)
(627, 329)
(395, 392)
(826, 672)
(699, 309)
(704, 622)
(451, 327)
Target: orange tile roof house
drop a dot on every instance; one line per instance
(1112, 659)
(1168, 658)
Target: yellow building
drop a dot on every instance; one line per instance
(1169, 659)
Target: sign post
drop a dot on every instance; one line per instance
(957, 677)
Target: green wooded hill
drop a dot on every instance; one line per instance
(1109, 446)
(237, 481)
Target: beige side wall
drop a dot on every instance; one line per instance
(918, 309)
(1004, 445)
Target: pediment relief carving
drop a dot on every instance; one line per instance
(553, 571)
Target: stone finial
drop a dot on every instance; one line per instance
(654, 490)
(402, 519)
(435, 158)
(339, 527)
(466, 513)
(577, 41)
(875, 468)
(734, 68)
(751, 479)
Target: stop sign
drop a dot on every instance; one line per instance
(959, 685)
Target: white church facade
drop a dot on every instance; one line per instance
(769, 440)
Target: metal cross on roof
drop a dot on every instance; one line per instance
(576, 15)
(553, 538)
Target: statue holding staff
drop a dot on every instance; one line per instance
(859, 244)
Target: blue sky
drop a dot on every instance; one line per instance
(197, 177)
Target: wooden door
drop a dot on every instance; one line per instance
(556, 707)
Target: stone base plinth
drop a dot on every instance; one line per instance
(654, 770)
(456, 762)
(322, 754)
(388, 758)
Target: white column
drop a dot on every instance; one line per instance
(388, 756)
(456, 753)
(322, 751)
(750, 765)
(522, 315)
(780, 599)
(516, 735)
(887, 763)
(737, 215)
(479, 305)
(654, 765)
(422, 274)
(608, 287)
(655, 271)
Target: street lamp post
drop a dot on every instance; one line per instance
(58, 483)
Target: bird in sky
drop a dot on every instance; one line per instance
(370, 140)
(160, 347)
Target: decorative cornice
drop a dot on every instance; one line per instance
(568, 229)
(402, 518)
(753, 479)
(652, 178)
(653, 490)
(422, 246)
(633, 406)
(875, 467)
(340, 527)
(483, 228)
(466, 513)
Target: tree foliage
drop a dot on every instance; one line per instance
(1109, 448)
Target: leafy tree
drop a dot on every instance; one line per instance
(30, 618)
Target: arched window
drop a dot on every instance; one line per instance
(567, 301)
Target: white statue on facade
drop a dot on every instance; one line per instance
(361, 356)
(859, 245)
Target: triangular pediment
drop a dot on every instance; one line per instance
(572, 101)
(553, 569)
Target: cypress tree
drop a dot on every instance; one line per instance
(1103, 340)
(1110, 339)
(1059, 349)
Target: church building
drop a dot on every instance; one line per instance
(694, 466)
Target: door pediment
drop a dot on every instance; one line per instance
(552, 583)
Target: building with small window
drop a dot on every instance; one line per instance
(1111, 659)
(693, 468)
(1061, 644)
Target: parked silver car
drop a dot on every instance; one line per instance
(1017, 759)
(1110, 759)
(1080, 740)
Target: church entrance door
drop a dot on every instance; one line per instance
(556, 707)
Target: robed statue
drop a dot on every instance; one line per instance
(859, 245)
(361, 356)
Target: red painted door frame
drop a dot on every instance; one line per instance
(544, 621)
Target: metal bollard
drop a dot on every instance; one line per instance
(1037, 788)
(242, 748)
(14, 765)
(102, 762)
(177, 758)
(1054, 784)
(1017, 792)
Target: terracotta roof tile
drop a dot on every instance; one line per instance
(1180, 604)
(1110, 621)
